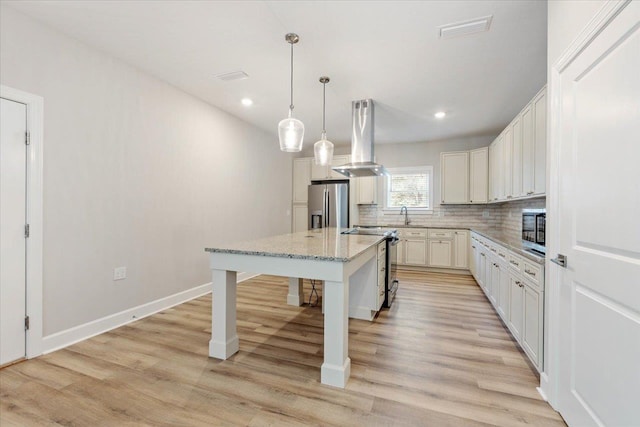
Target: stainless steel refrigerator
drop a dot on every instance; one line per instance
(328, 204)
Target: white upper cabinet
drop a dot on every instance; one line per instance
(540, 145)
(454, 168)
(527, 151)
(301, 179)
(517, 158)
(366, 190)
(478, 175)
(507, 147)
(339, 161)
(325, 172)
(496, 168)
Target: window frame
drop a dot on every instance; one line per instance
(408, 170)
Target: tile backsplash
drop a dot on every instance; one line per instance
(506, 217)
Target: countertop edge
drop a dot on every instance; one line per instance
(293, 256)
(532, 257)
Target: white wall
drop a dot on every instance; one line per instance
(136, 174)
(565, 20)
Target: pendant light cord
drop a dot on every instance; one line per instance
(291, 105)
(324, 104)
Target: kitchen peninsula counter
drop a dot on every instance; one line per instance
(342, 261)
(325, 244)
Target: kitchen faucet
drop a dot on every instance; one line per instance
(406, 214)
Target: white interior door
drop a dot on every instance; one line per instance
(599, 202)
(13, 126)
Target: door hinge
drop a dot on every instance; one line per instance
(26, 323)
(26, 230)
(27, 138)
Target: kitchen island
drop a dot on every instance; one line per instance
(340, 260)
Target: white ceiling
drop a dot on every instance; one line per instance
(385, 50)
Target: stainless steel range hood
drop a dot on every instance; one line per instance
(362, 159)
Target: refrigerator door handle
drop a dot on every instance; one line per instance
(328, 208)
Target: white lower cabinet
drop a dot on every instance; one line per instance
(299, 220)
(515, 307)
(461, 249)
(495, 282)
(415, 251)
(440, 254)
(503, 294)
(366, 292)
(515, 287)
(532, 323)
(434, 247)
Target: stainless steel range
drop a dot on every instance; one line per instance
(391, 267)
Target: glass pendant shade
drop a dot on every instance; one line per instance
(323, 151)
(291, 133)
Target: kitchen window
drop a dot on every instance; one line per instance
(411, 187)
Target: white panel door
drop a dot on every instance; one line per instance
(598, 95)
(13, 170)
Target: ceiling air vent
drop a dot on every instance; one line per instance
(234, 75)
(464, 28)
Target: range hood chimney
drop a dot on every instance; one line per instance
(362, 159)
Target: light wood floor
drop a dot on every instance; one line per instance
(439, 357)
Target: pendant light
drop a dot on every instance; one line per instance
(290, 130)
(323, 149)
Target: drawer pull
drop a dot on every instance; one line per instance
(514, 263)
(502, 255)
(473, 246)
(531, 273)
(482, 254)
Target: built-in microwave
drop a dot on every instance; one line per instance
(533, 229)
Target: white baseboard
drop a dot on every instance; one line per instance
(544, 386)
(79, 333)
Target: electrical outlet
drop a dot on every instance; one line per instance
(119, 273)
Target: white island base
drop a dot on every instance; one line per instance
(336, 274)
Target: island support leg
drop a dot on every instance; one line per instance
(224, 336)
(296, 294)
(336, 368)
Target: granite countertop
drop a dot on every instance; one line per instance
(325, 244)
(490, 233)
(513, 244)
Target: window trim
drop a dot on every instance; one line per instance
(403, 170)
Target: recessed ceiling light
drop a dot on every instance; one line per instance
(440, 115)
(247, 102)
